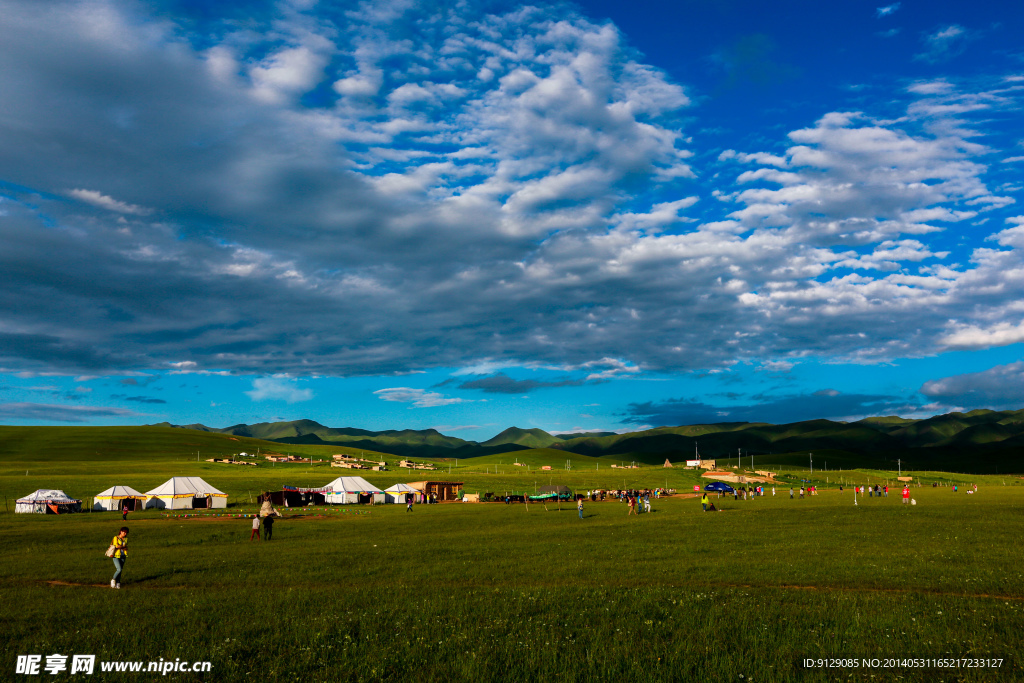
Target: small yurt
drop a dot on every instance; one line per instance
(353, 490)
(117, 497)
(186, 493)
(48, 502)
(400, 494)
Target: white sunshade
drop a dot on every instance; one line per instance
(401, 488)
(185, 486)
(352, 485)
(54, 496)
(120, 492)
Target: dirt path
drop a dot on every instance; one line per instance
(133, 586)
(785, 587)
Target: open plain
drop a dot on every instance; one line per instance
(461, 591)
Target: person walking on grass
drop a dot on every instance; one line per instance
(120, 544)
(268, 527)
(791, 493)
(631, 506)
(704, 501)
(255, 528)
(124, 512)
(885, 491)
(647, 502)
(579, 506)
(408, 502)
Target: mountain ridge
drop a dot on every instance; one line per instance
(938, 440)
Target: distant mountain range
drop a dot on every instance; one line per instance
(978, 441)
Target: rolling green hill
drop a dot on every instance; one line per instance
(979, 441)
(531, 438)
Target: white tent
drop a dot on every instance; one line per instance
(353, 490)
(116, 497)
(47, 502)
(399, 494)
(185, 493)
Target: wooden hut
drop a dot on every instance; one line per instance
(442, 490)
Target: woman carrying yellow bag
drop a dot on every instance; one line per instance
(120, 555)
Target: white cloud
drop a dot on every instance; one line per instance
(104, 202)
(1000, 387)
(660, 216)
(612, 368)
(287, 73)
(456, 428)
(936, 87)
(978, 337)
(420, 398)
(945, 43)
(278, 389)
(887, 10)
(45, 413)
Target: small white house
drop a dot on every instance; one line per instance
(186, 493)
(400, 494)
(353, 490)
(47, 502)
(117, 497)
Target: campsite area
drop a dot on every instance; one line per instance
(459, 591)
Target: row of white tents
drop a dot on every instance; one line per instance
(177, 493)
(187, 493)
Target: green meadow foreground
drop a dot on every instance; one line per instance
(460, 592)
(494, 592)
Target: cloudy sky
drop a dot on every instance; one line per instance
(468, 215)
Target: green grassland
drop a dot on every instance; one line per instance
(488, 592)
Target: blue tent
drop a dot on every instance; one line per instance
(719, 486)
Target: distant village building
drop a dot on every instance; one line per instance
(442, 490)
(409, 464)
(351, 462)
(229, 461)
(284, 458)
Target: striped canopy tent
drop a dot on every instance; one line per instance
(185, 493)
(47, 502)
(400, 494)
(348, 490)
(116, 497)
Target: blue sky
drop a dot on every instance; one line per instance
(595, 216)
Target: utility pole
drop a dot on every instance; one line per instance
(812, 462)
(899, 466)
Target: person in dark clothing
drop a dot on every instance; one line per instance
(268, 527)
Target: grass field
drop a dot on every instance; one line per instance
(493, 592)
